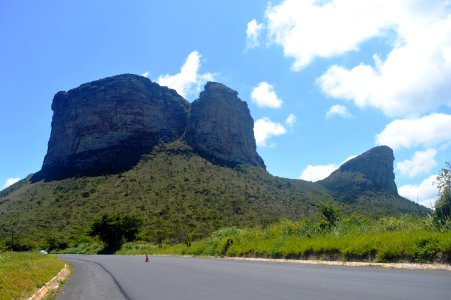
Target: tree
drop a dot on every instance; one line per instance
(330, 214)
(115, 229)
(444, 177)
(442, 207)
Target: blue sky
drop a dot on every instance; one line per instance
(324, 80)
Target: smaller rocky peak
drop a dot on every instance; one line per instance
(218, 89)
(370, 171)
(374, 161)
(220, 127)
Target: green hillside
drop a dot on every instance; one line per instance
(179, 196)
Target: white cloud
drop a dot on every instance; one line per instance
(421, 162)
(433, 129)
(188, 81)
(318, 172)
(10, 181)
(253, 32)
(414, 78)
(145, 74)
(338, 110)
(291, 120)
(424, 193)
(264, 95)
(309, 29)
(264, 129)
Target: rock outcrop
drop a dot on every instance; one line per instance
(371, 171)
(105, 126)
(220, 127)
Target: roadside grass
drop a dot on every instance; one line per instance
(22, 274)
(403, 239)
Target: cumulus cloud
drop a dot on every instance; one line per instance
(264, 129)
(339, 111)
(188, 80)
(318, 172)
(291, 120)
(253, 32)
(412, 79)
(422, 162)
(10, 181)
(145, 74)
(309, 29)
(427, 131)
(424, 193)
(264, 95)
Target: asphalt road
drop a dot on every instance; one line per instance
(129, 277)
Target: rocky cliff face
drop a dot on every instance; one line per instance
(105, 126)
(220, 127)
(371, 171)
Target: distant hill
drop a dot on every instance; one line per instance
(364, 175)
(125, 144)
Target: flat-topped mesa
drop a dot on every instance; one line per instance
(106, 125)
(220, 127)
(371, 171)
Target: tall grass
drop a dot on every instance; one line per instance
(403, 239)
(22, 274)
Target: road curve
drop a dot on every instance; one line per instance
(129, 277)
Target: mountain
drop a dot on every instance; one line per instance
(105, 126)
(370, 172)
(125, 144)
(221, 128)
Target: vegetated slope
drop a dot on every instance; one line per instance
(368, 180)
(185, 169)
(178, 194)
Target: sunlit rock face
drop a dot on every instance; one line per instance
(371, 171)
(220, 127)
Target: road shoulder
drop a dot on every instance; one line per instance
(53, 284)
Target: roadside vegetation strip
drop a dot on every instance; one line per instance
(388, 240)
(22, 274)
